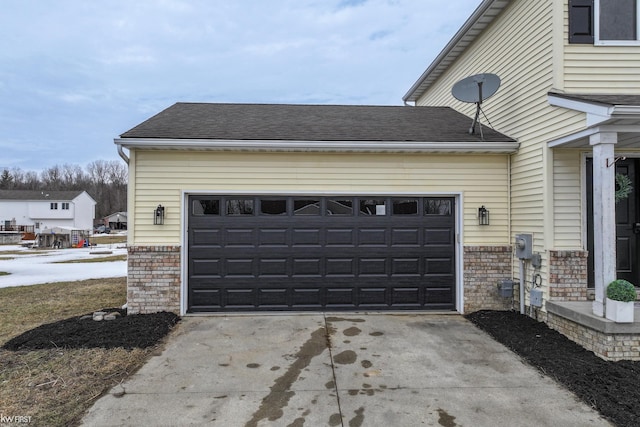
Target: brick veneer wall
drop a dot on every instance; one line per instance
(568, 275)
(607, 346)
(153, 282)
(484, 266)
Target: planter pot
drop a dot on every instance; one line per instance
(619, 312)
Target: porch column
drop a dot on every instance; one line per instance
(604, 215)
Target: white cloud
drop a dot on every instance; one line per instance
(76, 74)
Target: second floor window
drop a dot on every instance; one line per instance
(604, 22)
(65, 206)
(54, 205)
(616, 21)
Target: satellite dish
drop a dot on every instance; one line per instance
(476, 89)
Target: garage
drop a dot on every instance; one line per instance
(311, 253)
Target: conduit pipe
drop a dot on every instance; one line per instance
(522, 280)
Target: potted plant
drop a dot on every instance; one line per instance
(620, 301)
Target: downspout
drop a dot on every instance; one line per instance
(122, 154)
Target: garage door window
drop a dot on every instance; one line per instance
(405, 206)
(203, 207)
(437, 207)
(306, 207)
(339, 207)
(273, 207)
(239, 207)
(373, 207)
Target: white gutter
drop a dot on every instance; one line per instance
(122, 154)
(319, 146)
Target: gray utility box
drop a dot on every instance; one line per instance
(524, 246)
(505, 288)
(535, 297)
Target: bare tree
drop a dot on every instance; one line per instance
(105, 181)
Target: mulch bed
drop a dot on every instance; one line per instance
(133, 331)
(612, 388)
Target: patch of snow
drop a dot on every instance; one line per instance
(32, 267)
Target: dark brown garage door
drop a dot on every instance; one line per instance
(321, 253)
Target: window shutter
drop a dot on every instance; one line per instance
(581, 21)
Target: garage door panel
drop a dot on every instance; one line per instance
(405, 267)
(340, 237)
(274, 267)
(438, 295)
(340, 267)
(340, 297)
(406, 297)
(305, 267)
(370, 267)
(238, 267)
(373, 297)
(306, 297)
(273, 237)
(209, 298)
(275, 298)
(205, 268)
(239, 237)
(205, 237)
(240, 297)
(376, 237)
(306, 237)
(321, 254)
(408, 237)
(438, 265)
(438, 237)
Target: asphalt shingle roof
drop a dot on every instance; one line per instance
(287, 122)
(38, 195)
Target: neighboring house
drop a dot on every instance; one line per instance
(274, 207)
(116, 221)
(570, 95)
(47, 209)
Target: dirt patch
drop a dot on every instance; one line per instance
(611, 388)
(128, 332)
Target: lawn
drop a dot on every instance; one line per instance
(55, 387)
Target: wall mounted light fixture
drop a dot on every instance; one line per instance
(158, 215)
(483, 216)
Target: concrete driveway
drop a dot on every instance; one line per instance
(369, 370)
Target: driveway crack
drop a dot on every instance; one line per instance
(329, 330)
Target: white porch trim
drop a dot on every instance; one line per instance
(604, 215)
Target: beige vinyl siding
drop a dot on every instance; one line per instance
(162, 176)
(600, 69)
(568, 200)
(520, 108)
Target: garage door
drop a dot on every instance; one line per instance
(320, 253)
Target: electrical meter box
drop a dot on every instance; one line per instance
(535, 297)
(505, 288)
(524, 246)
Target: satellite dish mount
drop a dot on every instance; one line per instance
(475, 89)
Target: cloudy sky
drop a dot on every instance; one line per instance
(75, 74)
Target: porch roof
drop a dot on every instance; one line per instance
(603, 113)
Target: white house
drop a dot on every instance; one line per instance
(47, 209)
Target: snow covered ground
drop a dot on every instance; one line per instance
(31, 267)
